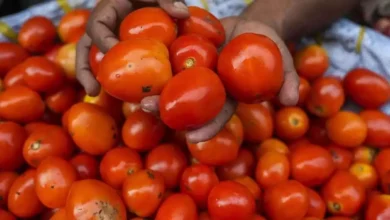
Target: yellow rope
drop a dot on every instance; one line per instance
(360, 39)
(8, 32)
(205, 4)
(64, 5)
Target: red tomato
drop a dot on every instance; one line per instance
(10, 55)
(366, 174)
(203, 23)
(37, 34)
(95, 57)
(231, 200)
(378, 128)
(170, 161)
(14, 77)
(129, 108)
(6, 180)
(61, 100)
(317, 132)
(257, 122)
(381, 162)
(219, 150)
(40, 144)
(385, 182)
(36, 126)
(177, 206)
(272, 168)
(87, 166)
(12, 137)
(342, 158)
(59, 215)
(326, 97)
(317, 206)
(378, 208)
(22, 199)
(93, 199)
(66, 59)
(92, 129)
(343, 194)
(251, 68)
(291, 123)
(197, 181)
(192, 50)
(110, 104)
(53, 180)
(364, 154)
(183, 99)
(304, 91)
(21, 104)
(52, 53)
(72, 25)
(252, 186)
(142, 131)
(148, 22)
(286, 200)
(311, 165)
(367, 88)
(346, 129)
(311, 62)
(134, 69)
(143, 187)
(235, 126)
(119, 163)
(243, 165)
(271, 144)
(41, 74)
(5, 215)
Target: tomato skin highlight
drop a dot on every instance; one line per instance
(184, 97)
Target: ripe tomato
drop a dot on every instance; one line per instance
(381, 162)
(343, 194)
(54, 177)
(37, 34)
(148, 22)
(143, 187)
(271, 144)
(338, 218)
(14, 77)
(72, 25)
(192, 50)
(118, 163)
(22, 198)
(234, 125)
(52, 53)
(364, 154)
(317, 206)
(134, 69)
(231, 200)
(250, 66)
(142, 131)
(311, 62)
(61, 100)
(346, 129)
(87, 166)
(257, 122)
(367, 88)
(10, 56)
(204, 216)
(7, 178)
(95, 57)
(129, 108)
(110, 104)
(183, 99)
(18, 98)
(177, 206)
(203, 23)
(378, 207)
(92, 129)
(291, 123)
(385, 182)
(197, 181)
(59, 215)
(35, 126)
(272, 168)
(366, 174)
(169, 160)
(326, 97)
(219, 150)
(311, 165)
(12, 137)
(378, 124)
(298, 143)
(317, 132)
(66, 59)
(5, 215)
(251, 185)
(243, 165)
(286, 200)
(40, 144)
(304, 91)
(93, 199)
(342, 158)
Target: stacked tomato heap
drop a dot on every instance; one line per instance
(66, 155)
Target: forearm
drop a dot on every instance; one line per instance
(296, 18)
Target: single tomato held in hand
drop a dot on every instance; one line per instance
(95, 57)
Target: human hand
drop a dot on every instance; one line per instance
(102, 24)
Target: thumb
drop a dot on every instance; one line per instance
(174, 8)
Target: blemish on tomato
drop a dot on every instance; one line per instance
(146, 89)
(150, 174)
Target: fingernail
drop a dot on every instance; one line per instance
(180, 6)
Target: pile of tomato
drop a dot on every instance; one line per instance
(67, 155)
